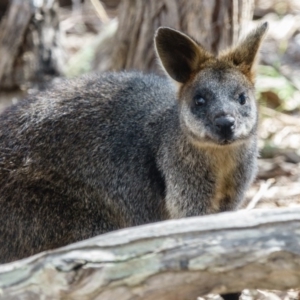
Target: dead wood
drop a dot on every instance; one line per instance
(30, 44)
(215, 24)
(177, 259)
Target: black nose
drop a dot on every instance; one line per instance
(225, 125)
(224, 122)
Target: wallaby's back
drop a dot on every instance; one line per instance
(105, 152)
(80, 160)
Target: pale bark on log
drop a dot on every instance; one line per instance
(171, 260)
(30, 48)
(215, 24)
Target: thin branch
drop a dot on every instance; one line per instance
(261, 192)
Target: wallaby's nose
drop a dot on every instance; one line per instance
(224, 121)
(225, 125)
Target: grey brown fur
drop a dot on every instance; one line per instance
(109, 151)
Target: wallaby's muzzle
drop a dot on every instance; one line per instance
(224, 126)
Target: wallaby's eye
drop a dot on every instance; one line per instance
(199, 101)
(242, 98)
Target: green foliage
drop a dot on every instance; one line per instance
(274, 89)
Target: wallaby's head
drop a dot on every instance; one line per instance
(216, 93)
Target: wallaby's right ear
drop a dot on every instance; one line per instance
(179, 54)
(244, 55)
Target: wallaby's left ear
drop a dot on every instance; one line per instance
(180, 55)
(244, 55)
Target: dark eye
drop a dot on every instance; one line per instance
(242, 98)
(199, 100)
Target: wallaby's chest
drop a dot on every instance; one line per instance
(218, 181)
(224, 165)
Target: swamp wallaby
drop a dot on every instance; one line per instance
(115, 150)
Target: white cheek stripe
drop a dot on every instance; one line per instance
(196, 127)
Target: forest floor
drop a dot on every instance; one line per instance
(278, 86)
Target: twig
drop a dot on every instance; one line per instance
(100, 11)
(262, 190)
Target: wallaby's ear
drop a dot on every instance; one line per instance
(179, 54)
(244, 55)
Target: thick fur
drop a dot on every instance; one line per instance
(109, 151)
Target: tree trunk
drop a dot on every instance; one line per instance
(29, 43)
(215, 24)
(171, 260)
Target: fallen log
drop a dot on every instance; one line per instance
(171, 260)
